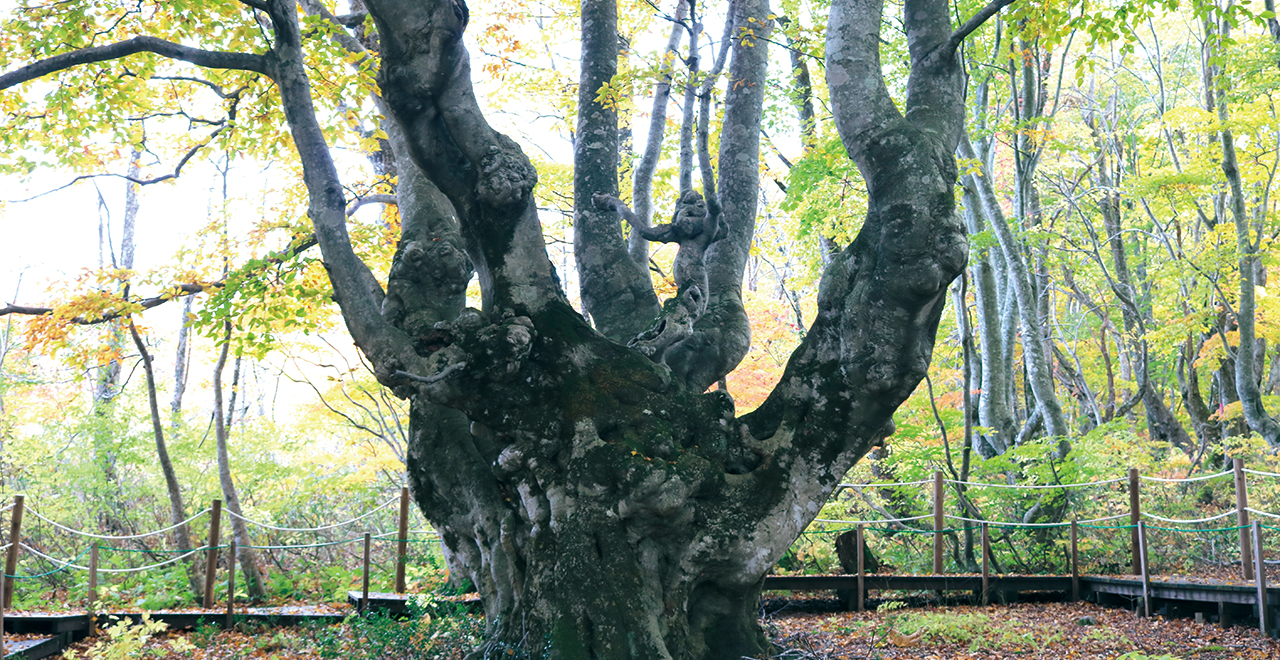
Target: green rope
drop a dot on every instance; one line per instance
(1198, 531)
(171, 552)
(301, 547)
(828, 531)
(933, 531)
(1107, 526)
(64, 567)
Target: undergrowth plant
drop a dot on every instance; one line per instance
(124, 639)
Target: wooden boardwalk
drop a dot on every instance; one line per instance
(1222, 602)
(1227, 604)
(61, 630)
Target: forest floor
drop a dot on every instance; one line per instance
(1048, 631)
(1057, 631)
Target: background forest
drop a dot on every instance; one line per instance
(169, 338)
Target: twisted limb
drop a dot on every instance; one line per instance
(694, 227)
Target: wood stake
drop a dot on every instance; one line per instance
(231, 584)
(92, 609)
(1075, 561)
(1242, 518)
(1260, 569)
(860, 539)
(364, 597)
(937, 522)
(1135, 518)
(211, 555)
(986, 564)
(11, 559)
(402, 545)
(1146, 577)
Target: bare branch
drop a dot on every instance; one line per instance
(147, 303)
(216, 88)
(427, 380)
(299, 245)
(199, 57)
(369, 199)
(177, 170)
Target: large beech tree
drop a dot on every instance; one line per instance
(604, 504)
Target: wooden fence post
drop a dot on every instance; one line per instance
(91, 608)
(1135, 517)
(402, 545)
(1146, 575)
(364, 596)
(938, 494)
(231, 583)
(11, 559)
(1260, 569)
(1075, 561)
(211, 555)
(1242, 518)
(859, 539)
(986, 565)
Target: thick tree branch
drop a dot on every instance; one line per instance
(199, 57)
(616, 290)
(975, 22)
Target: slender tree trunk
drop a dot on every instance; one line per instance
(995, 390)
(1247, 369)
(642, 188)
(181, 362)
(1037, 359)
(248, 557)
(177, 510)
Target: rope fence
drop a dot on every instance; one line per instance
(911, 527)
(399, 538)
(1214, 544)
(322, 528)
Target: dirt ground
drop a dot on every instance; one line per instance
(1049, 631)
(1052, 631)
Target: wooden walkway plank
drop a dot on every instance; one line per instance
(35, 649)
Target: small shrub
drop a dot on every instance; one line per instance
(125, 640)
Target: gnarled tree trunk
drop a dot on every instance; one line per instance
(601, 502)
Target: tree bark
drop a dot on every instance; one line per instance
(722, 335)
(996, 385)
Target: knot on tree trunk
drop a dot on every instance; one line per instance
(506, 177)
(424, 274)
(673, 325)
